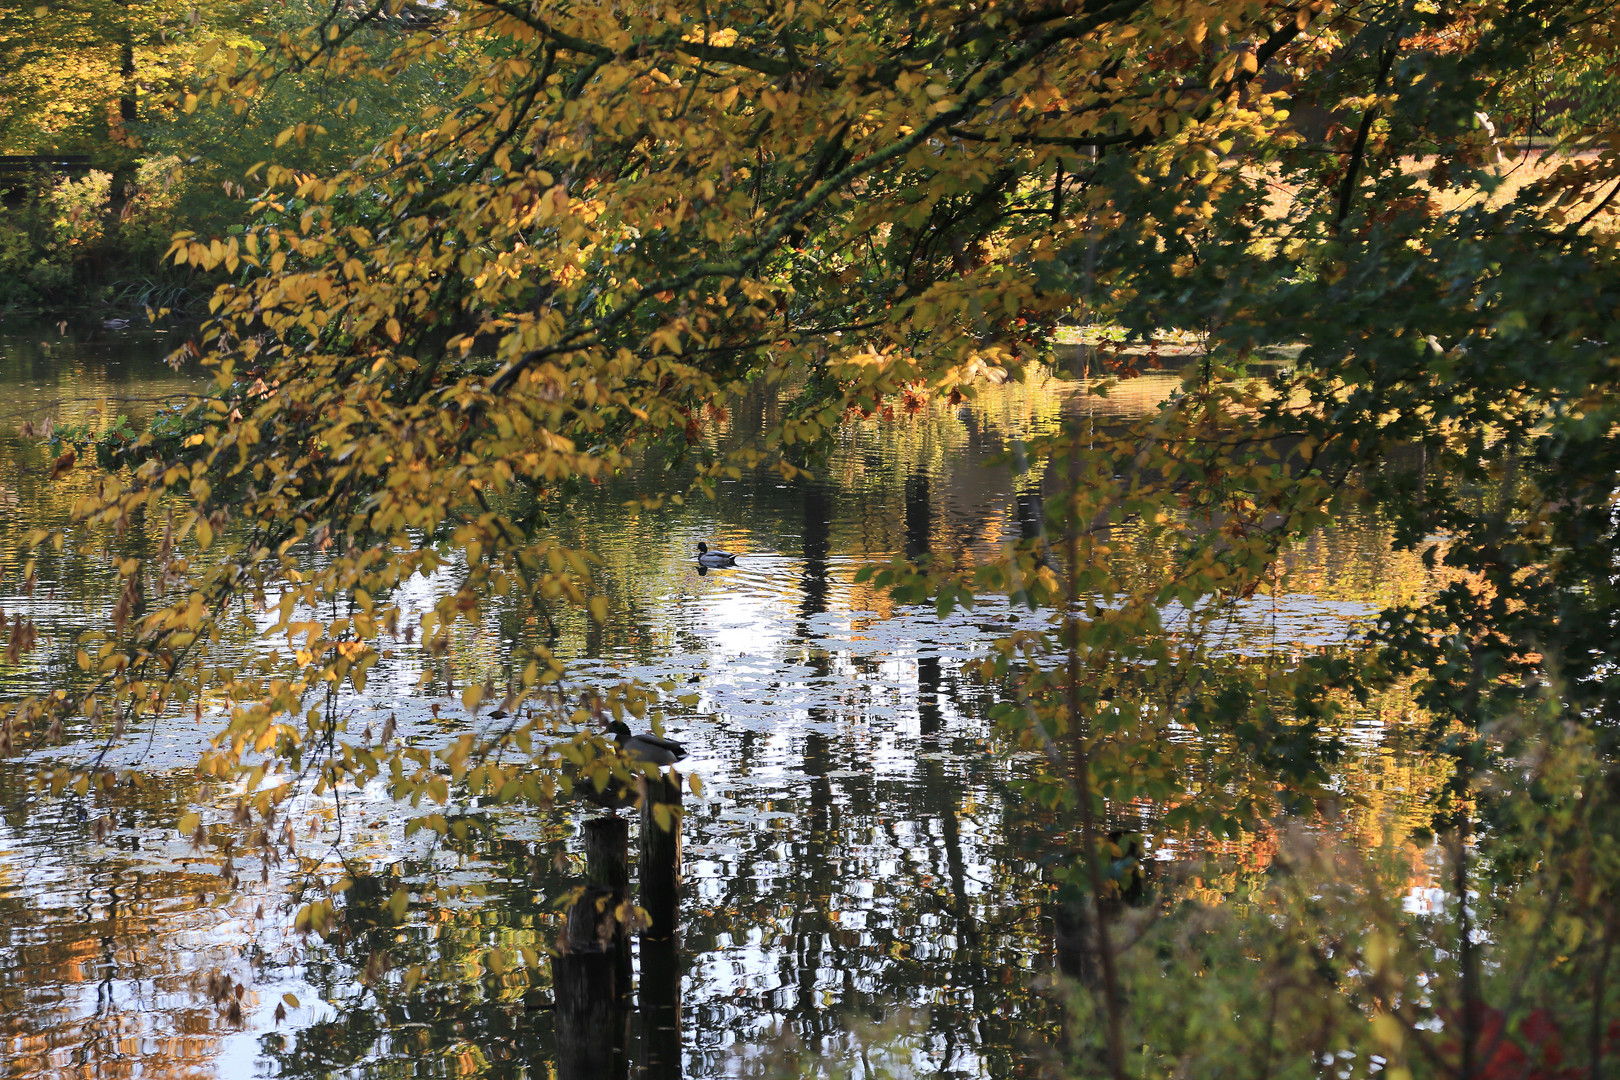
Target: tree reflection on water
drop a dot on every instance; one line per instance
(858, 852)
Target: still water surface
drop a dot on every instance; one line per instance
(859, 854)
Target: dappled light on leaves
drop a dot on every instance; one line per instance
(619, 226)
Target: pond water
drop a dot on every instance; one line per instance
(860, 854)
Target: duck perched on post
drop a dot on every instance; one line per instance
(648, 748)
(714, 558)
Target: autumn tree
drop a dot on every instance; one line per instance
(627, 213)
(77, 75)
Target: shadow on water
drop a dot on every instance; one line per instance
(858, 852)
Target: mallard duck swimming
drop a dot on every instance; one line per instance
(648, 748)
(714, 558)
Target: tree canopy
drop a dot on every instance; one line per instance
(76, 74)
(628, 213)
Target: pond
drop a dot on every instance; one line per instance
(860, 854)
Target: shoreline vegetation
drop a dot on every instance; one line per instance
(67, 244)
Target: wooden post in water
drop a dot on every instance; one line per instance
(607, 866)
(661, 854)
(919, 516)
(660, 1008)
(660, 989)
(1074, 933)
(1074, 914)
(589, 975)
